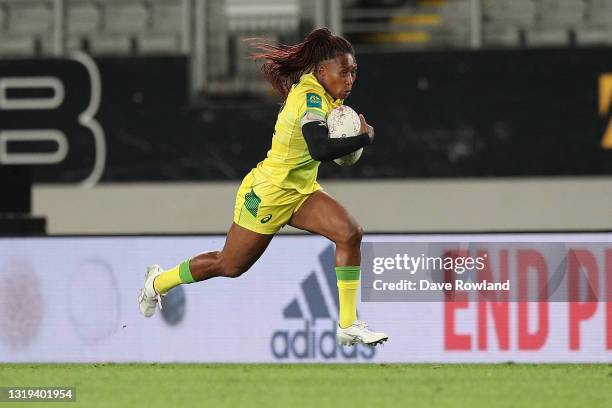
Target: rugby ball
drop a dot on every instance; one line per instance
(344, 122)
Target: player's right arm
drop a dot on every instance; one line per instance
(324, 148)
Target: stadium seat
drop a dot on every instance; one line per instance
(17, 45)
(457, 8)
(561, 13)
(271, 19)
(126, 17)
(167, 16)
(593, 36)
(108, 44)
(547, 38)
(452, 35)
(599, 13)
(30, 17)
(165, 32)
(83, 18)
(266, 15)
(494, 35)
(159, 43)
(519, 13)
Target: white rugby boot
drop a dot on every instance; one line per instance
(149, 299)
(358, 333)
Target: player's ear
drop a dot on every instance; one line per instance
(321, 70)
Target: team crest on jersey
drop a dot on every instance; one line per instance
(313, 100)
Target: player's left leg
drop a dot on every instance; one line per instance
(322, 214)
(261, 209)
(242, 249)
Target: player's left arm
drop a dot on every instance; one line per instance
(324, 148)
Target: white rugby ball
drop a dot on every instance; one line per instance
(344, 122)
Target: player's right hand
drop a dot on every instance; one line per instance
(365, 128)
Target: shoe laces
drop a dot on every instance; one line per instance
(158, 298)
(361, 324)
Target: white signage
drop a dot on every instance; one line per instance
(74, 299)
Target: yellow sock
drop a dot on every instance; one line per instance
(173, 277)
(348, 283)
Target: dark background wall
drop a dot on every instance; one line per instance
(437, 114)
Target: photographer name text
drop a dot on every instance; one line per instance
(426, 285)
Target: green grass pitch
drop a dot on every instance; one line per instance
(319, 385)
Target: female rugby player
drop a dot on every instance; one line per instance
(314, 76)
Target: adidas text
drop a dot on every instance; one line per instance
(310, 344)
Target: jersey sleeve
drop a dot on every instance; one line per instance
(315, 103)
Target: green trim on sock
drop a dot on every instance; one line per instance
(348, 273)
(185, 273)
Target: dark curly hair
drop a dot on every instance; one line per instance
(285, 64)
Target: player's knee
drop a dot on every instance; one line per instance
(357, 234)
(233, 272)
(230, 271)
(350, 235)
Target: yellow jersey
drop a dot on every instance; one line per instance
(288, 163)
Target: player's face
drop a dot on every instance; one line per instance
(338, 75)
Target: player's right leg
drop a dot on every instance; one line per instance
(242, 249)
(322, 214)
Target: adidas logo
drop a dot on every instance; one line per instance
(316, 303)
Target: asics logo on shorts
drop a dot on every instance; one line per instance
(266, 218)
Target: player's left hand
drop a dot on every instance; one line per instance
(366, 128)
